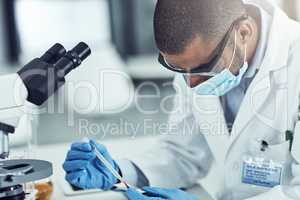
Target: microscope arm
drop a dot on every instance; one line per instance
(13, 98)
(14, 95)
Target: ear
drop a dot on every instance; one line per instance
(246, 31)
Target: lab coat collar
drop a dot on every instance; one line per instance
(276, 57)
(262, 44)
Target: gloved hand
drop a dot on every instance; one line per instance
(152, 193)
(85, 171)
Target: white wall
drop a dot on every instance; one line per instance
(45, 22)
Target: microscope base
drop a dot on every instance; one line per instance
(12, 193)
(14, 173)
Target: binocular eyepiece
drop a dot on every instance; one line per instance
(55, 53)
(65, 61)
(45, 75)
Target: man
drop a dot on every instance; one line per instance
(235, 109)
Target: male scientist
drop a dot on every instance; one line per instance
(236, 109)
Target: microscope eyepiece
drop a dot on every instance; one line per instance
(45, 75)
(82, 50)
(55, 53)
(73, 58)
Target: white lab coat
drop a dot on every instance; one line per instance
(199, 145)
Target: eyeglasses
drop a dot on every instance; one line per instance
(210, 68)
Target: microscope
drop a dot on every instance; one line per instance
(35, 83)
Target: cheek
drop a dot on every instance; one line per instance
(224, 61)
(229, 55)
(221, 65)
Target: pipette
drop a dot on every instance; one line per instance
(110, 167)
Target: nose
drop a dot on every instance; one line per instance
(194, 80)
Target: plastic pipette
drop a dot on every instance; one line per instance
(110, 167)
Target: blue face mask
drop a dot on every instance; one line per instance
(223, 82)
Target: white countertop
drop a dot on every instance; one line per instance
(118, 149)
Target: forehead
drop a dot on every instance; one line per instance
(196, 53)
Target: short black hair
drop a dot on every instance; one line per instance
(178, 22)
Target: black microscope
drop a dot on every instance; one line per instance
(35, 83)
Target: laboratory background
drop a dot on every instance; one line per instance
(118, 96)
(120, 35)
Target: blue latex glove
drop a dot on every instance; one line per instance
(152, 193)
(85, 171)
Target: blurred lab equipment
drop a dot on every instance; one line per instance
(34, 83)
(9, 38)
(136, 45)
(44, 191)
(126, 19)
